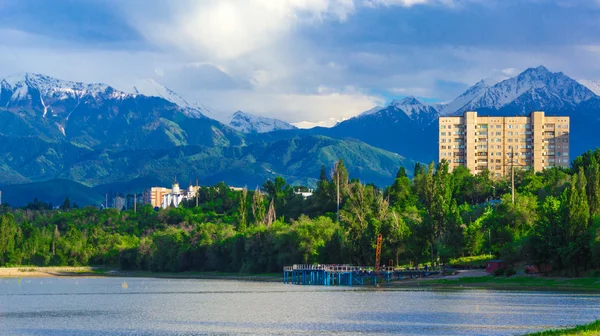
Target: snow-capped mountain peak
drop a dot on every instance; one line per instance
(152, 88)
(457, 104)
(371, 111)
(248, 123)
(534, 88)
(53, 88)
(412, 106)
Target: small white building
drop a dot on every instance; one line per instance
(176, 196)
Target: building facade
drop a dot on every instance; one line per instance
(160, 197)
(496, 144)
(154, 196)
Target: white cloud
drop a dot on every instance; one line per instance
(408, 3)
(324, 123)
(229, 29)
(291, 107)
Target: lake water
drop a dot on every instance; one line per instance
(123, 306)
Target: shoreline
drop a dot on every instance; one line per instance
(523, 283)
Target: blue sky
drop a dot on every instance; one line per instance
(300, 60)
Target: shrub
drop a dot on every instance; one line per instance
(499, 272)
(510, 272)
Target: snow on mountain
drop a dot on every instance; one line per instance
(533, 87)
(371, 111)
(593, 85)
(150, 87)
(49, 88)
(248, 123)
(457, 104)
(411, 106)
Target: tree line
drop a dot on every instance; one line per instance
(430, 218)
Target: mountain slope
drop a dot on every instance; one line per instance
(403, 127)
(533, 89)
(53, 192)
(98, 116)
(248, 123)
(461, 101)
(151, 88)
(410, 127)
(105, 138)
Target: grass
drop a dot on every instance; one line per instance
(583, 330)
(472, 260)
(521, 282)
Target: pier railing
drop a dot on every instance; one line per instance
(328, 268)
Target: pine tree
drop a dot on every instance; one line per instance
(323, 176)
(66, 204)
(401, 173)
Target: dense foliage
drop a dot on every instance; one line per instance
(433, 217)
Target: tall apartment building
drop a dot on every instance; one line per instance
(498, 143)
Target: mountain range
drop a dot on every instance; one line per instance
(409, 126)
(108, 139)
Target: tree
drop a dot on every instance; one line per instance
(66, 204)
(577, 219)
(323, 175)
(243, 211)
(401, 173)
(55, 239)
(258, 207)
(8, 233)
(593, 186)
(271, 214)
(400, 193)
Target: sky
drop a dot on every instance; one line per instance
(307, 62)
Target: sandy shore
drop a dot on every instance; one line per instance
(41, 272)
(45, 272)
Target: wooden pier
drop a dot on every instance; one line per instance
(345, 275)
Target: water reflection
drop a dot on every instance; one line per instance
(111, 306)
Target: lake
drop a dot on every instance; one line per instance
(141, 306)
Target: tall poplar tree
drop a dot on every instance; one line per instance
(593, 186)
(258, 207)
(243, 211)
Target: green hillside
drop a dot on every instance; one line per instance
(53, 192)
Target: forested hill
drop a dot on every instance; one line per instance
(432, 217)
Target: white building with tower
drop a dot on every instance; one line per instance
(175, 196)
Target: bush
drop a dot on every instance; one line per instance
(510, 272)
(499, 272)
